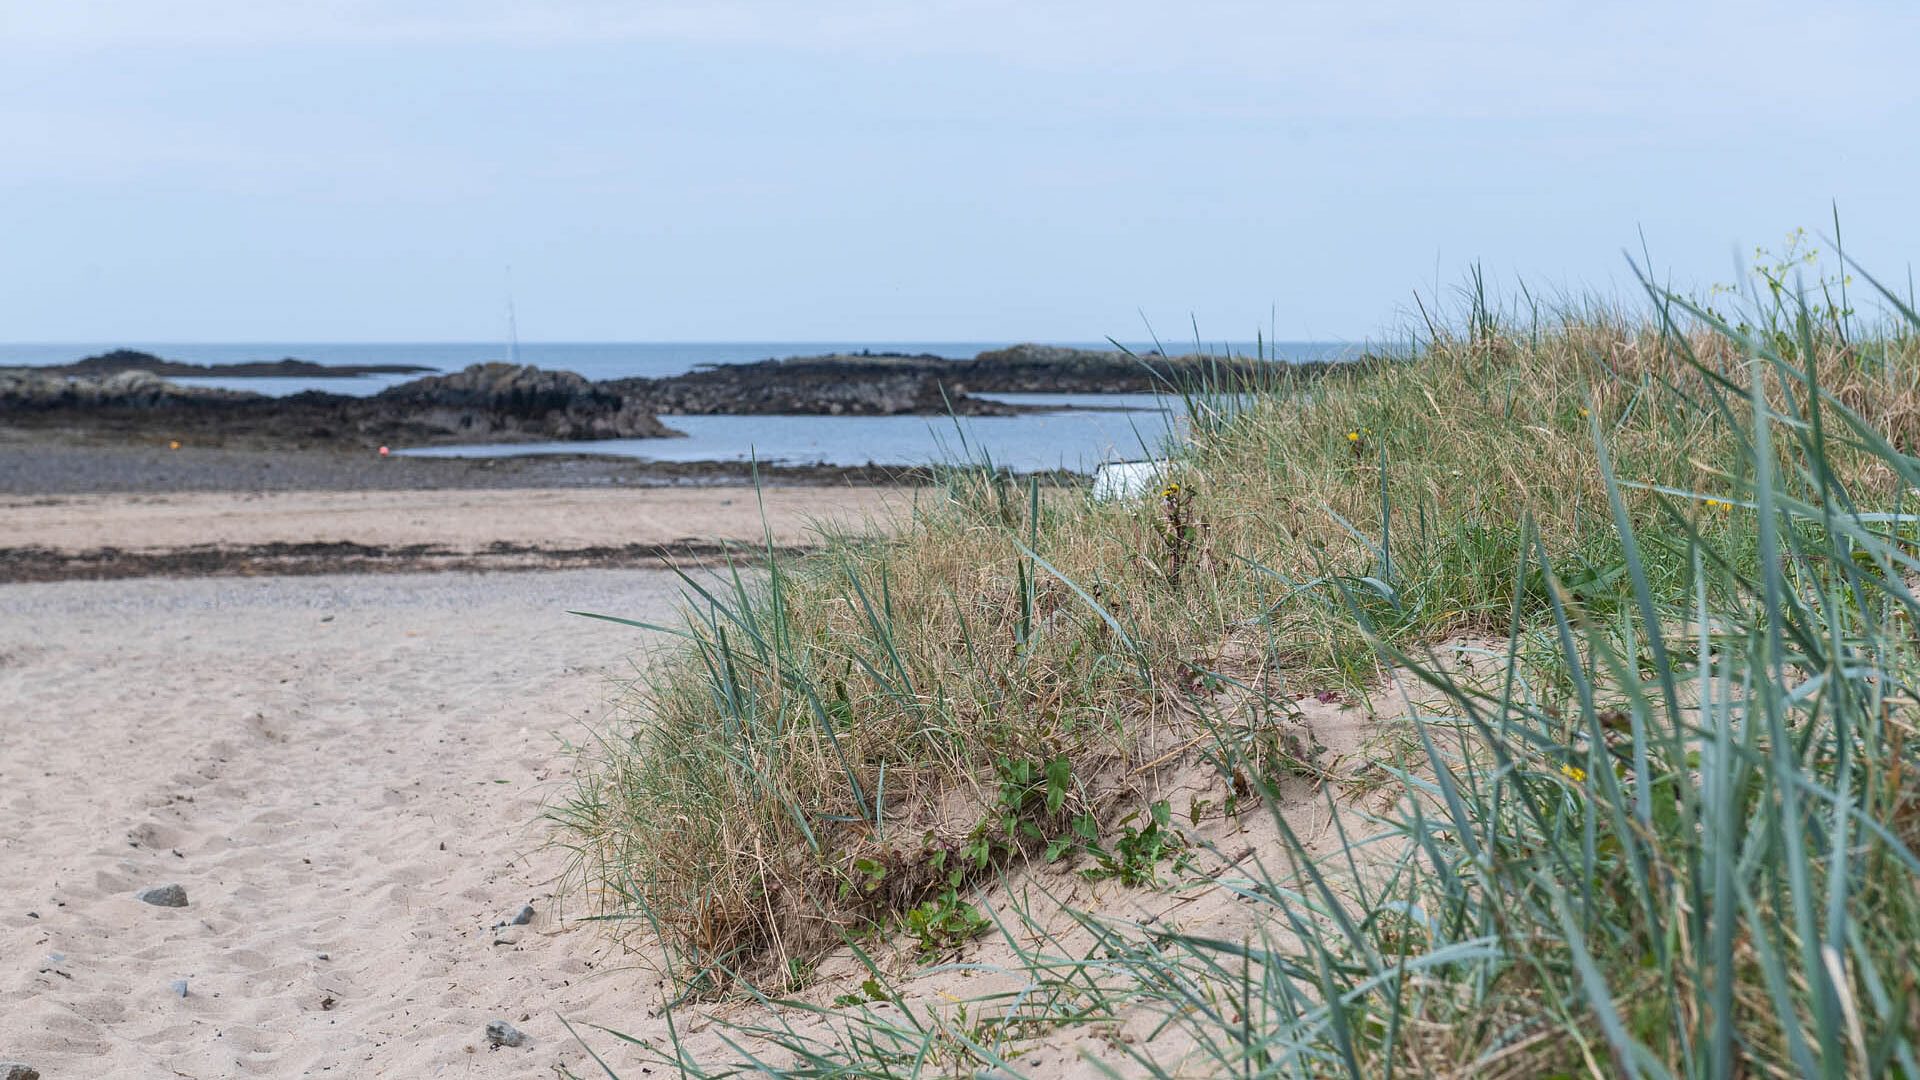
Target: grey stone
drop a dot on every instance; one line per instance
(525, 916)
(163, 896)
(18, 1070)
(179, 986)
(501, 1033)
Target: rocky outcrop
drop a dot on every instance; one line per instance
(1053, 369)
(495, 402)
(34, 390)
(484, 403)
(885, 385)
(814, 386)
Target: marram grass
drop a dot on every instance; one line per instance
(1674, 837)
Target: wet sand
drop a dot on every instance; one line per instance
(34, 463)
(55, 537)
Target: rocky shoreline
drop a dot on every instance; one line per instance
(122, 396)
(484, 403)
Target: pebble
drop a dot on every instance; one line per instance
(501, 1033)
(163, 896)
(18, 1070)
(524, 917)
(179, 986)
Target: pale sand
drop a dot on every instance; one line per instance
(351, 767)
(471, 520)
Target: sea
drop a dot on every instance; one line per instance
(1075, 432)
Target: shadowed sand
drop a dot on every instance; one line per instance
(346, 774)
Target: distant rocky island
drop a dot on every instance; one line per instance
(123, 394)
(889, 384)
(119, 360)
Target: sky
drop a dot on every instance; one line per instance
(746, 170)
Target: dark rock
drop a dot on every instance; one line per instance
(163, 896)
(485, 403)
(18, 1070)
(501, 1033)
(524, 917)
(814, 386)
(1054, 369)
(493, 401)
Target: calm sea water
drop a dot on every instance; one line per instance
(1128, 426)
(1056, 440)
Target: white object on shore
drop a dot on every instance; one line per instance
(1126, 479)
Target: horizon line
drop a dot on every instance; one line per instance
(666, 341)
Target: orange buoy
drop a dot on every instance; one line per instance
(383, 451)
(173, 444)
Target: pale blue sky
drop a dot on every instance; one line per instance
(938, 169)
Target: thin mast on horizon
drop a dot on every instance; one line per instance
(513, 324)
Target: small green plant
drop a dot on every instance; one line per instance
(946, 921)
(1030, 807)
(1136, 854)
(864, 877)
(870, 991)
(1795, 281)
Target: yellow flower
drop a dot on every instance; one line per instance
(1170, 491)
(1716, 504)
(1353, 436)
(1584, 413)
(1574, 773)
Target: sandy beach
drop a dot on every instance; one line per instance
(346, 776)
(346, 772)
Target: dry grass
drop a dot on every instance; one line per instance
(857, 707)
(841, 746)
